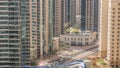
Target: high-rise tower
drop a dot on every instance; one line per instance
(41, 27)
(89, 15)
(91, 21)
(14, 50)
(103, 18)
(110, 32)
(69, 11)
(58, 24)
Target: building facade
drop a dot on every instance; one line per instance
(69, 11)
(34, 24)
(25, 35)
(110, 32)
(57, 12)
(84, 38)
(14, 50)
(46, 26)
(113, 35)
(78, 12)
(103, 27)
(72, 12)
(26, 31)
(89, 15)
(66, 11)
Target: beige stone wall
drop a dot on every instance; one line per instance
(69, 38)
(56, 43)
(103, 27)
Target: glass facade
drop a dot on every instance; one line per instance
(89, 15)
(10, 37)
(83, 15)
(14, 43)
(25, 35)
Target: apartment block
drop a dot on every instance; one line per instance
(89, 15)
(14, 46)
(41, 26)
(57, 12)
(109, 32)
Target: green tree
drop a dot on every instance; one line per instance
(64, 46)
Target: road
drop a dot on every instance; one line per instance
(83, 55)
(78, 56)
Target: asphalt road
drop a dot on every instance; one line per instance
(78, 56)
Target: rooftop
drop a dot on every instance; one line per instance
(82, 33)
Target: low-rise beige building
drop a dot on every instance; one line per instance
(56, 43)
(82, 38)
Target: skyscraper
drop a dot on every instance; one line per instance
(89, 15)
(110, 32)
(72, 12)
(103, 27)
(66, 11)
(46, 27)
(34, 28)
(83, 14)
(12, 49)
(69, 11)
(57, 11)
(78, 11)
(41, 27)
(25, 35)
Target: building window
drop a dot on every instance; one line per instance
(118, 12)
(118, 24)
(112, 43)
(118, 4)
(118, 16)
(68, 38)
(117, 39)
(113, 12)
(81, 39)
(113, 8)
(112, 35)
(113, 20)
(65, 38)
(113, 16)
(118, 20)
(113, 24)
(117, 35)
(74, 38)
(118, 27)
(117, 50)
(112, 62)
(112, 39)
(113, 28)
